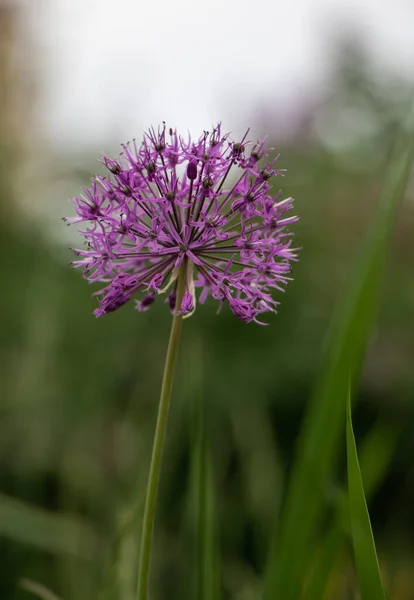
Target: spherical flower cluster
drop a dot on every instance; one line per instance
(202, 206)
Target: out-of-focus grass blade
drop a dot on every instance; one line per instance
(203, 520)
(318, 441)
(50, 532)
(375, 456)
(37, 590)
(324, 573)
(207, 584)
(260, 470)
(366, 560)
(122, 571)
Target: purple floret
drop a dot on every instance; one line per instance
(205, 205)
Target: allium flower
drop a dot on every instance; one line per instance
(203, 206)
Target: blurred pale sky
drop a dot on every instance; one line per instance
(109, 68)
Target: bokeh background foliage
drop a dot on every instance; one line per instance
(78, 395)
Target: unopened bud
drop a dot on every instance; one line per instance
(192, 171)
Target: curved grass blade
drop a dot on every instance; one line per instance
(366, 561)
(37, 589)
(375, 455)
(350, 331)
(51, 532)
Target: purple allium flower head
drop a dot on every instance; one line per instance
(201, 205)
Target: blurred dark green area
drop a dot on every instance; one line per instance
(79, 395)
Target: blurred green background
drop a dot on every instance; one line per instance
(79, 395)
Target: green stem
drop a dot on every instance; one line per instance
(157, 449)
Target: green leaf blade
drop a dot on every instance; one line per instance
(291, 554)
(366, 560)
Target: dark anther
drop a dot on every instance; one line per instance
(159, 147)
(171, 131)
(208, 183)
(265, 174)
(255, 156)
(192, 170)
(250, 197)
(125, 189)
(115, 169)
(151, 167)
(206, 156)
(238, 149)
(170, 195)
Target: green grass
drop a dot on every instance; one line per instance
(38, 590)
(56, 533)
(376, 453)
(366, 561)
(207, 572)
(306, 497)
